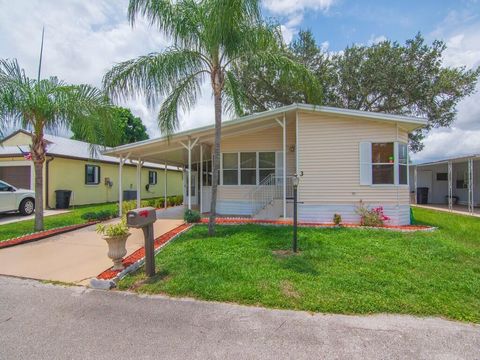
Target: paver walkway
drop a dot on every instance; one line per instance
(40, 321)
(73, 257)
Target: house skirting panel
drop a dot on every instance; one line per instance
(399, 215)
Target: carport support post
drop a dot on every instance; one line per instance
(283, 124)
(450, 189)
(139, 182)
(201, 177)
(120, 193)
(470, 186)
(189, 173)
(165, 188)
(415, 183)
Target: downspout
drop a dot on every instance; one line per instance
(47, 180)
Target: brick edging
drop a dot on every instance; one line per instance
(24, 239)
(240, 221)
(109, 278)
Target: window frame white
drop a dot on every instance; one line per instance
(239, 168)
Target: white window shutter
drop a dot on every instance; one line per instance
(365, 163)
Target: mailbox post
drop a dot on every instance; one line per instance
(144, 218)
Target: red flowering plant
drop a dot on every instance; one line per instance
(371, 217)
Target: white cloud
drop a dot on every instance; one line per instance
(376, 39)
(285, 7)
(461, 33)
(291, 13)
(83, 39)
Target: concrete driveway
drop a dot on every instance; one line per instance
(8, 218)
(73, 257)
(39, 321)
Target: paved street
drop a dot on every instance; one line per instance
(41, 321)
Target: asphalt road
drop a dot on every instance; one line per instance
(39, 321)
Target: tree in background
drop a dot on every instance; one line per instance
(385, 77)
(49, 105)
(209, 38)
(129, 127)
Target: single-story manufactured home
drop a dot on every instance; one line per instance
(343, 157)
(92, 178)
(453, 182)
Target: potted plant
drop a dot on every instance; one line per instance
(116, 237)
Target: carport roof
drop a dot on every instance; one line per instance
(170, 149)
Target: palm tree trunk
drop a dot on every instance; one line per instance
(38, 150)
(216, 160)
(38, 196)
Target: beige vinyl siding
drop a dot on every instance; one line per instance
(329, 158)
(270, 139)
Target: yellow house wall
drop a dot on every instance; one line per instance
(69, 174)
(18, 139)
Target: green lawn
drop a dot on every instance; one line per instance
(8, 231)
(352, 271)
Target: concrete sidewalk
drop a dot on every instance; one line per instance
(39, 321)
(73, 257)
(8, 218)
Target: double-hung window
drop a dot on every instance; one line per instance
(152, 177)
(230, 168)
(92, 174)
(383, 163)
(248, 168)
(266, 164)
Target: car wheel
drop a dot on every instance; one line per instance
(27, 207)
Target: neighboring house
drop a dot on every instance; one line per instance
(456, 178)
(70, 165)
(344, 157)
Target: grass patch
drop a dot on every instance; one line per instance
(12, 230)
(348, 271)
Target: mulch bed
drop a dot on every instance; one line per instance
(237, 220)
(140, 253)
(43, 234)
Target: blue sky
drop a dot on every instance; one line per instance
(84, 38)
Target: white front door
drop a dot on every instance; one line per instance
(194, 188)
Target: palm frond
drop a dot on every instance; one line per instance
(153, 75)
(184, 96)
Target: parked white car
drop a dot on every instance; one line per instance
(13, 199)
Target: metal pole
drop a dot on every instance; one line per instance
(149, 250)
(294, 218)
(120, 193)
(284, 123)
(450, 188)
(189, 174)
(415, 183)
(201, 178)
(139, 182)
(165, 188)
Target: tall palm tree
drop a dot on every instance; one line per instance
(48, 105)
(209, 38)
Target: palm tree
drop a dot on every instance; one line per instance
(48, 105)
(209, 38)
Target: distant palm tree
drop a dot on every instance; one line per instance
(48, 105)
(208, 37)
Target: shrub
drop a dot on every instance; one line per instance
(191, 216)
(128, 205)
(371, 217)
(159, 203)
(99, 215)
(337, 219)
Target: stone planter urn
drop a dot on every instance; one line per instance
(117, 249)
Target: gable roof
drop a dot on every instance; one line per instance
(64, 147)
(412, 122)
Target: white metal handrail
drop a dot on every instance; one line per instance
(268, 190)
